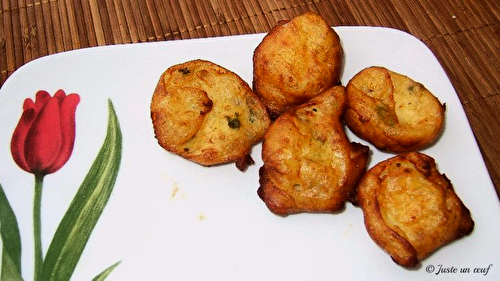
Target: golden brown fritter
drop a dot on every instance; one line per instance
(309, 164)
(392, 111)
(296, 60)
(207, 114)
(410, 209)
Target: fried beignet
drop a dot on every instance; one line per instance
(309, 164)
(295, 61)
(392, 111)
(410, 209)
(207, 114)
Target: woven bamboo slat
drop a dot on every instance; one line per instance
(463, 34)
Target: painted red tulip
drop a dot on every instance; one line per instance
(44, 137)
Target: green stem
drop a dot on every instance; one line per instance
(37, 225)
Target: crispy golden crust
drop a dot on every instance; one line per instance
(295, 61)
(410, 209)
(309, 164)
(392, 111)
(207, 114)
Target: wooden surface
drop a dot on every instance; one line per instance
(463, 34)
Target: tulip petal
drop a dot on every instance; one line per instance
(19, 136)
(30, 111)
(28, 104)
(60, 95)
(42, 97)
(67, 119)
(43, 140)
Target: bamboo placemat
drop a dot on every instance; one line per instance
(463, 34)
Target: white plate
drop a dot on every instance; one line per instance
(170, 219)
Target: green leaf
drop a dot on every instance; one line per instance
(103, 275)
(8, 269)
(87, 206)
(11, 241)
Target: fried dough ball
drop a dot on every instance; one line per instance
(296, 60)
(207, 114)
(410, 209)
(309, 164)
(392, 111)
